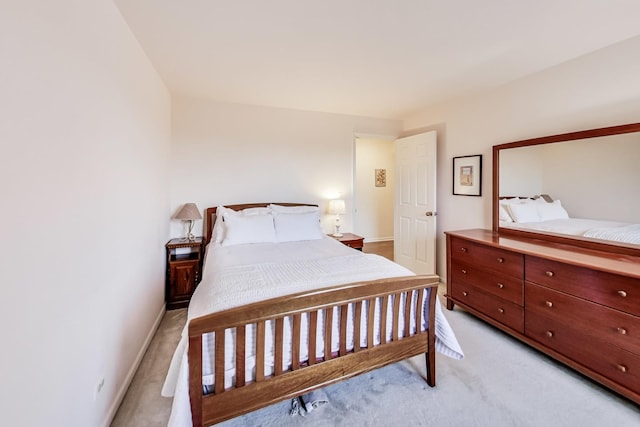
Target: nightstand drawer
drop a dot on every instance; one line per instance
(183, 278)
(352, 240)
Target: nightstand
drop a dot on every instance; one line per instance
(352, 240)
(184, 268)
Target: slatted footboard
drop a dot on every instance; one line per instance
(401, 297)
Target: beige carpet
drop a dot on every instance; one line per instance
(501, 382)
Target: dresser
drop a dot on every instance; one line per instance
(579, 306)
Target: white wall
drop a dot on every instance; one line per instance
(374, 215)
(84, 144)
(230, 153)
(521, 172)
(596, 90)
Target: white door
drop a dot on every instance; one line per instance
(415, 203)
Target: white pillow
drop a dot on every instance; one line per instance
(524, 212)
(217, 234)
(293, 227)
(254, 211)
(293, 209)
(553, 210)
(504, 215)
(240, 229)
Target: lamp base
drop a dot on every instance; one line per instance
(337, 234)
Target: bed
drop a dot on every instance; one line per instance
(546, 215)
(279, 315)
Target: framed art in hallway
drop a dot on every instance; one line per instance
(467, 175)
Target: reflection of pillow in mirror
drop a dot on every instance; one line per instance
(553, 210)
(239, 229)
(504, 215)
(524, 212)
(508, 201)
(294, 227)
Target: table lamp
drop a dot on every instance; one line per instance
(337, 208)
(189, 212)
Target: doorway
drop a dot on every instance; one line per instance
(374, 174)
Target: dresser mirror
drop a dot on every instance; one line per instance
(591, 186)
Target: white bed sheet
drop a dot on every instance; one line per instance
(573, 226)
(616, 231)
(242, 274)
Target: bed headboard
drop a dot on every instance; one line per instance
(210, 213)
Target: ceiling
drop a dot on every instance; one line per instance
(376, 58)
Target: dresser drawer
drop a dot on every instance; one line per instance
(499, 284)
(612, 290)
(612, 362)
(470, 253)
(505, 312)
(613, 326)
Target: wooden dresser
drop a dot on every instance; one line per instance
(580, 306)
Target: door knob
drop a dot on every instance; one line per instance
(429, 213)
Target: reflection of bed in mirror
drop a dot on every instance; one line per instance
(595, 175)
(543, 214)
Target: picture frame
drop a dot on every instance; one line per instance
(467, 175)
(381, 177)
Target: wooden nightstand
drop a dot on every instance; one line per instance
(183, 271)
(352, 240)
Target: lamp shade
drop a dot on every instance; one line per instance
(337, 207)
(189, 212)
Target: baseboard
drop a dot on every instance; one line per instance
(113, 409)
(378, 239)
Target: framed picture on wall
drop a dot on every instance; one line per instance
(381, 177)
(467, 175)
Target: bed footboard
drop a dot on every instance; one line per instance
(401, 297)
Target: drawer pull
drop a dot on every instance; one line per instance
(549, 334)
(500, 285)
(501, 260)
(501, 310)
(465, 293)
(622, 331)
(623, 294)
(463, 271)
(549, 304)
(549, 273)
(621, 368)
(463, 249)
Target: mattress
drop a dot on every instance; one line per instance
(243, 274)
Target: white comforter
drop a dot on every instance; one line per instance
(596, 229)
(242, 274)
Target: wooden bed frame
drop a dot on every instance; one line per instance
(305, 376)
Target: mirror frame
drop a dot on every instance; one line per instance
(585, 242)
